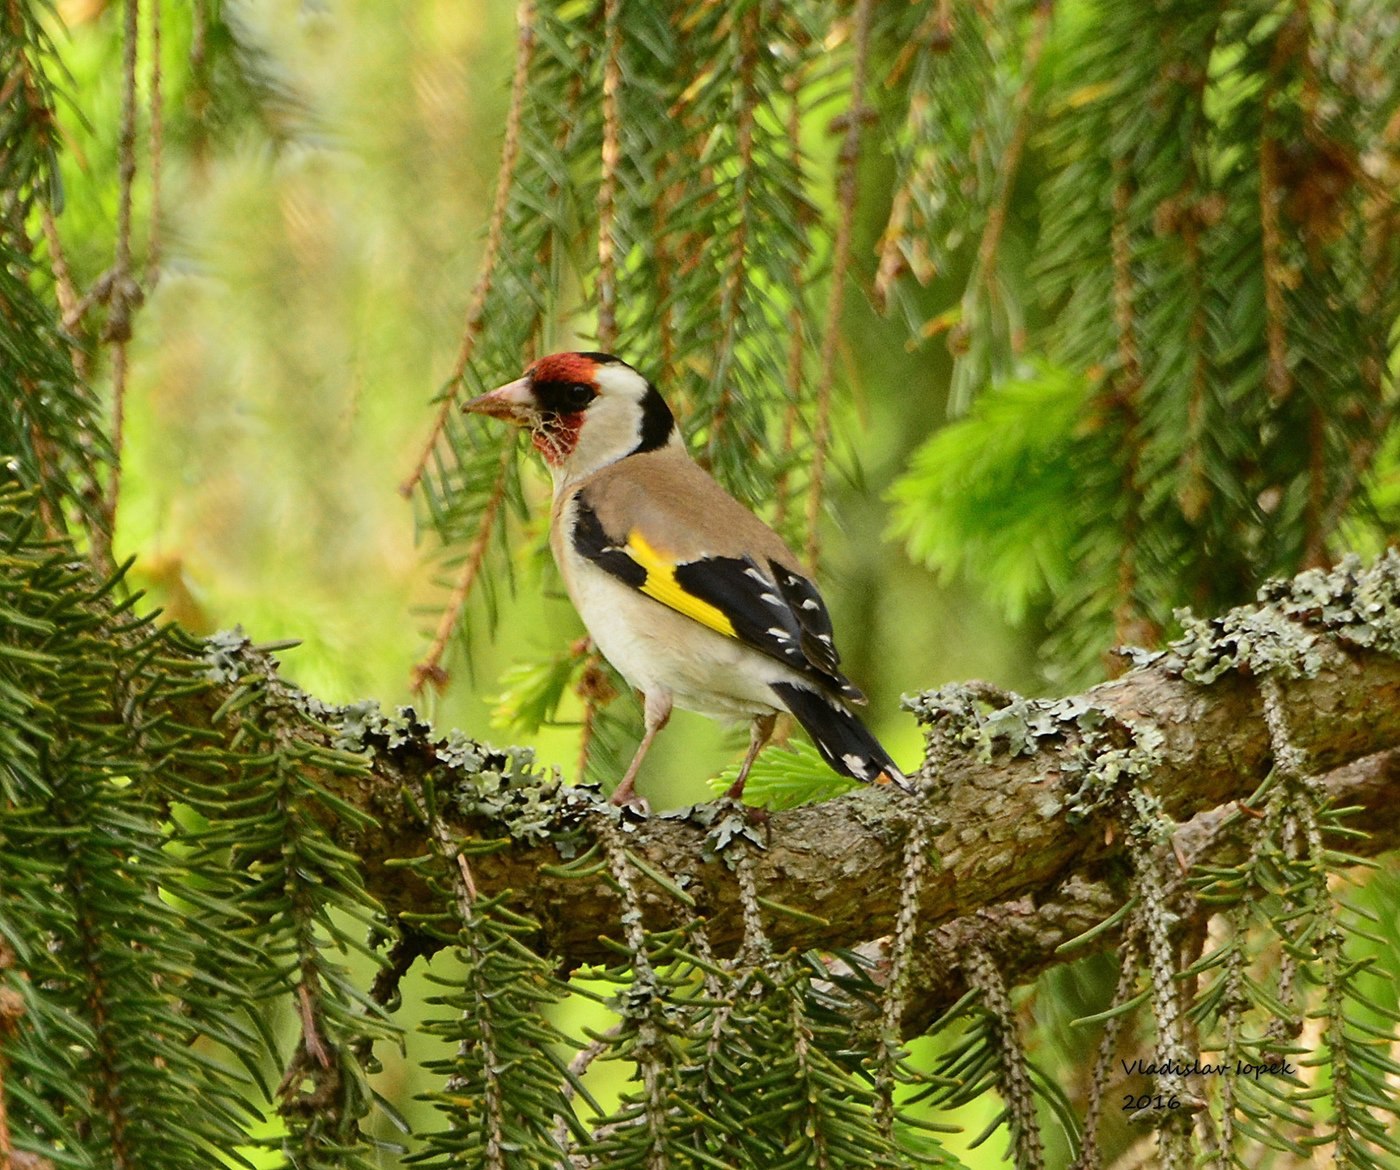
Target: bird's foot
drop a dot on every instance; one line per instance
(753, 813)
(625, 796)
(756, 815)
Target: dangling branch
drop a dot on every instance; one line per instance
(731, 307)
(1276, 376)
(157, 118)
(430, 668)
(495, 232)
(124, 294)
(902, 943)
(1129, 962)
(1010, 163)
(1014, 1078)
(1126, 394)
(847, 190)
(607, 187)
(797, 341)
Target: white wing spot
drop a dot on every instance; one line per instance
(810, 604)
(756, 575)
(777, 633)
(770, 598)
(857, 764)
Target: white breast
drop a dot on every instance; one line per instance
(655, 648)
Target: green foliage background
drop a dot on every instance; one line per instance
(1170, 372)
(311, 301)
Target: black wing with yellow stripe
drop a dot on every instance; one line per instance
(769, 607)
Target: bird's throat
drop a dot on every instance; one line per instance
(556, 437)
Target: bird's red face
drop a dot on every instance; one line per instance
(583, 410)
(549, 400)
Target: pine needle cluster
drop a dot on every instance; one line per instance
(1170, 239)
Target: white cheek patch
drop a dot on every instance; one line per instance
(619, 381)
(608, 430)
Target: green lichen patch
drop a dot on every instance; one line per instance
(1102, 754)
(1286, 634)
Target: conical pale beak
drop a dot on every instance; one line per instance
(514, 402)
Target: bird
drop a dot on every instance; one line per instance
(695, 601)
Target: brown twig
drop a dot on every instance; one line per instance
(1128, 624)
(607, 187)
(595, 691)
(157, 140)
(731, 307)
(124, 294)
(847, 191)
(67, 294)
(1010, 164)
(66, 290)
(430, 669)
(797, 350)
(495, 232)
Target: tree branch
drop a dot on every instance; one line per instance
(1024, 935)
(1026, 807)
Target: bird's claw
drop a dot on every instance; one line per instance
(631, 800)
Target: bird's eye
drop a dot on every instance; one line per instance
(578, 395)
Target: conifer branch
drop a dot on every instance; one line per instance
(11, 1012)
(124, 294)
(1104, 1064)
(1011, 836)
(157, 151)
(732, 287)
(902, 943)
(1271, 195)
(847, 189)
(607, 186)
(1009, 165)
(1127, 389)
(109, 1084)
(797, 340)
(430, 669)
(1014, 1078)
(495, 233)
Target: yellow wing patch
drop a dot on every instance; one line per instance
(661, 584)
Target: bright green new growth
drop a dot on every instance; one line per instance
(1162, 244)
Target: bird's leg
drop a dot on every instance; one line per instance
(759, 731)
(656, 708)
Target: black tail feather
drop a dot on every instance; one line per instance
(844, 741)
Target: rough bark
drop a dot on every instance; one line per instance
(1028, 803)
(1007, 833)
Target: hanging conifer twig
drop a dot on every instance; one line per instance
(610, 161)
(430, 669)
(852, 123)
(122, 293)
(495, 231)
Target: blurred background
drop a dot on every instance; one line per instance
(327, 178)
(318, 246)
(315, 270)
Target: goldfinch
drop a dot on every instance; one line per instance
(693, 599)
